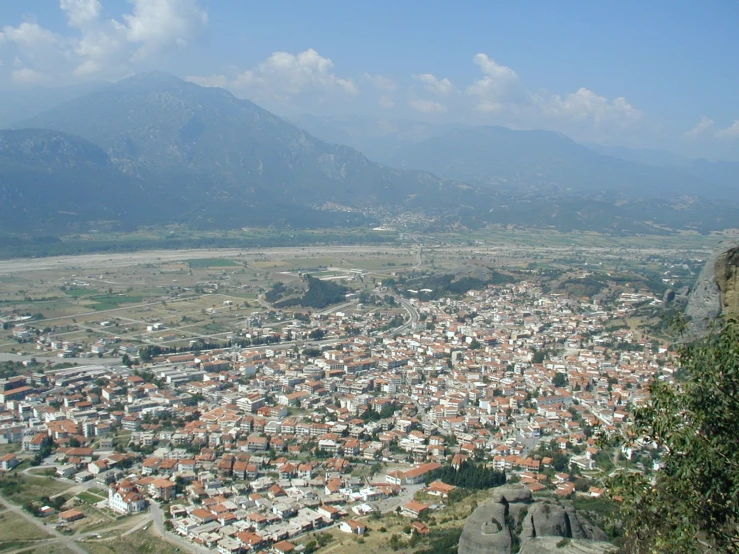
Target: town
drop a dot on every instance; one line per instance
(342, 415)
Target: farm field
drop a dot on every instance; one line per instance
(173, 299)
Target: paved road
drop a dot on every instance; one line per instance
(414, 317)
(42, 359)
(65, 540)
(157, 518)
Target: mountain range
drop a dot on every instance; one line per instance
(154, 149)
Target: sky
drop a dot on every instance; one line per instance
(658, 74)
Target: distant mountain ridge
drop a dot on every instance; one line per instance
(157, 124)
(154, 149)
(48, 178)
(497, 155)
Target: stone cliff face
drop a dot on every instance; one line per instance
(716, 293)
(515, 519)
(727, 278)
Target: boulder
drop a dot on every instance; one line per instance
(515, 517)
(485, 531)
(510, 494)
(556, 545)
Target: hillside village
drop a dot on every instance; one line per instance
(249, 449)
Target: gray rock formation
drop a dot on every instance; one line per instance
(513, 517)
(715, 291)
(556, 545)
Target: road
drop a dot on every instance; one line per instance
(41, 359)
(157, 518)
(414, 317)
(65, 540)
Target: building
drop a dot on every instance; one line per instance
(71, 515)
(162, 489)
(414, 509)
(8, 462)
(126, 498)
(353, 526)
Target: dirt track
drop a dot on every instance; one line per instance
(108, 261)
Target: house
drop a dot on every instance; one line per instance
(283, 547)
(440, 489)
(66, 470)
(126, 498)
(201, 515)
(8, 462)
(163, 489)
(353, 526)
(150, 465)
(46, 511)
(229, 545)
(329, 512)
(34, 443)
(414, 509)
(305, 471)
(71, 515)
(250, 541)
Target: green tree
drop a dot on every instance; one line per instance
(690, 504)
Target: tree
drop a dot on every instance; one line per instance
(560, 379)
(690, 504)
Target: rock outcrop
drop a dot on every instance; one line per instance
(514, 518)
(716, 293)
(556, 545)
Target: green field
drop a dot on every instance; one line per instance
(76, 293)
(22, 488)
(89, 497)
(205, 263)
(111, 301)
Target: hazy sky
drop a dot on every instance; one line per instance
(656, 73)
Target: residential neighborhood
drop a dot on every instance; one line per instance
(250, 449)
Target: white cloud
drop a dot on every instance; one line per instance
(26, 76)
(380, 82)
(586, 106)
(81, 13)
(427, 106)
(294, 74)
(157, 25)
(284, 76)
(435, 85)
(730, 133)
(704, 127)
(103, 48)
(499, 84)
(706, 130)
(501, 97)
(386, 102)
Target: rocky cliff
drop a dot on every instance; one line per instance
(515, 520)
(716, 293)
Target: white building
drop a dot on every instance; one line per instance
(125, 498)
